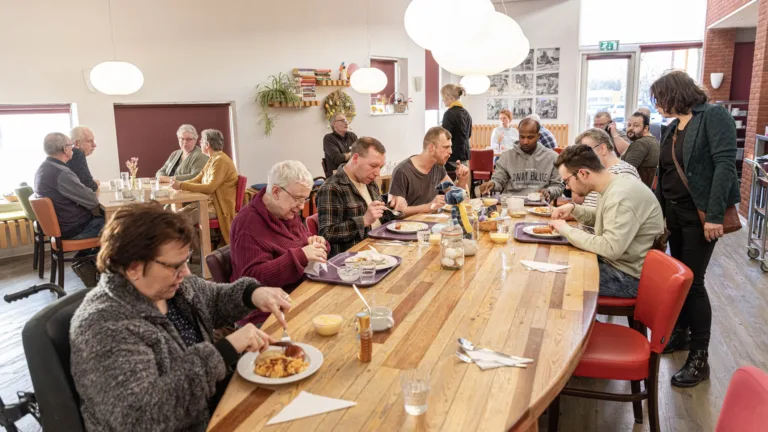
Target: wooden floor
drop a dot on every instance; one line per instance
(738, 291)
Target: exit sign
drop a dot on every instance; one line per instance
(609, 45)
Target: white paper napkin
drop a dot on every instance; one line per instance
(314, 267)
(544, 267)
(307, 405)
(489, 360)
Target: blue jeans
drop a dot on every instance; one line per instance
(91, 229)
(616, 283)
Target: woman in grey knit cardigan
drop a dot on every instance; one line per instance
(143, 356)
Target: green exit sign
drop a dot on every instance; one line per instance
(609, 45)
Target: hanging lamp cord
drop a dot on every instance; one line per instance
(112, 30)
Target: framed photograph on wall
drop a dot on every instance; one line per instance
(547, 59)
(526, 65)
(494, 106)
(547, 83)
(522, 107)
(521, 84)
(546, 108)
(499, 84)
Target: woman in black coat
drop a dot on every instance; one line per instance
(458, 122)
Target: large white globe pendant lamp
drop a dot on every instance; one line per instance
(425, 21)
(476, 84)
(481, 55)
(116, 78)
(368, 80)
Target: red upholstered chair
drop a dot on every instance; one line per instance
(239, 197)
(616, 352)
(746, 402)
(312, 225)
(558, 150)
(481, 164)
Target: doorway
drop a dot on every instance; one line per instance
(607, 84)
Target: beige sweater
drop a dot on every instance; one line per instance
(627, 220)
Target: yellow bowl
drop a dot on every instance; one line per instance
(490, 202)
(500, 238)
(434, 239)
(327, 325)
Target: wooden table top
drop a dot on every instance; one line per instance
(543, 316)
(109, 203)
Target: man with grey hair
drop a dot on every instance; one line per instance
(83, 144)
(73, 202)
(546, 137)
(270, 243)
(337, 144)
(187, 162)
(619, 139)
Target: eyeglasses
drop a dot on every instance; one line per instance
(177, 268)
(567, 180)
(297, 200)
(345, 121)
(186, 139)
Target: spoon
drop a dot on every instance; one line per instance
(466, 345)
(467, 359)
(359, 294)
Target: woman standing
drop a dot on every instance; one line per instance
(702, 141)
(504, 136)
(459, 123)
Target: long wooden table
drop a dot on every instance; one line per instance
(109, 203)
(543, 316)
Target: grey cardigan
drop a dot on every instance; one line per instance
(188, 168)
(130, 366)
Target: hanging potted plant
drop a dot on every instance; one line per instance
(280, 91)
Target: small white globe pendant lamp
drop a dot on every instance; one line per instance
(368, 80)
(117, 78)
(476, 84)
(425, 21)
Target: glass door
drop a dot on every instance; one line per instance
(607, 84)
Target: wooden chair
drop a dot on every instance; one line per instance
(620, 353)
(49, 222)
(745, 407)
(239, 198)
(220, 265)
(38, 260)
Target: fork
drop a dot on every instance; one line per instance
(285, 337)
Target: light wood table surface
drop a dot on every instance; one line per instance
(384, 181)
(544, 316)
(109, 203)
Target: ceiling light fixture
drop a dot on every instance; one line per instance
(368, 79)
(116, 78)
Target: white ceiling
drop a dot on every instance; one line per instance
(745, 16)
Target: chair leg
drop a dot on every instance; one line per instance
(637, 406)
(54, 266)
(553, 415)
(61, 269)
(36, 251)
(41, 256)
(652, 388)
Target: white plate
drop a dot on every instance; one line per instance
(529, 230)
(389, 261)
(409, 228)
(311, 354)
(532, 210)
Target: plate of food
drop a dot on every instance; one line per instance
(407, 227)
(540, 211)
(280, 365)
(382, 261)
(542, 231)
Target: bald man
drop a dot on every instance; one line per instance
(84, 144)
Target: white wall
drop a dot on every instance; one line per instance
(546, 24)
(201, 51)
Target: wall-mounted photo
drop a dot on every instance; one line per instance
(521, 85)
(494, 106)
(526, 65)
(546, 108)
(547, 59)
(547, 83)
(522, 108)
(499, 85)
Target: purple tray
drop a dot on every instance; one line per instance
(332, 276)
(525, 238)
(383, 233)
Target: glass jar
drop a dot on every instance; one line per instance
(452, 248)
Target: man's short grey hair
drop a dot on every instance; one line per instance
(78, 133)
(187, 128)
(645, 110)
(214, 138)
(335, 117)
(598, 135)
(285, 173)
(54, 143)
(534, 117)
(603, 114)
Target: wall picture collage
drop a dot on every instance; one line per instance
(530, 87)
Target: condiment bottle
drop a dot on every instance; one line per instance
(365, 336)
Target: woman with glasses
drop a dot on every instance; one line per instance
(143, 351)
(218, 180)
(269, 241)
(186, 162)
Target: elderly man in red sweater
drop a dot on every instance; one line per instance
(269, 242)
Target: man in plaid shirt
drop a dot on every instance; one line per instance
(349, 203)
(546, 138)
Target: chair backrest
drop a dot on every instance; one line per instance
(47, 349)
(312, 224)
(664, 284)
(558, 150)
(745, 407)
(220, 264)
(23, 193)
(481, 160)
(242, 184)
(46, 216)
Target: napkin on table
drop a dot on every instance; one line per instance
(544, 267)
(489, 360)
(314, 267)
(307, 405)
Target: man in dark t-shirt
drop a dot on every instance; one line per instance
(415, 178)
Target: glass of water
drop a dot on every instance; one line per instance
(423, 237)
(125, 176)
(415, 384)
(368, 272)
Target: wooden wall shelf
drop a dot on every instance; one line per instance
(294, 104)
(334, 83)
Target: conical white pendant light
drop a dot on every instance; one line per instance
(116, 78)
(368, 79)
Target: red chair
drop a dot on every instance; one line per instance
(481, 164)
(312, 224)
(558, 150)
(746, 402)
(618, 306)
(616, 352)
(239, 197)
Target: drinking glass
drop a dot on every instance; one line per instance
(114, 184)
(506, 256)
(368, 272)
(415, 385)
(423, 237)
(140, 183)
(125, 177)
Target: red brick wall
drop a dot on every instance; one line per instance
(718, 9)
(719, 46)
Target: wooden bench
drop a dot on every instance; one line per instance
(481, 134)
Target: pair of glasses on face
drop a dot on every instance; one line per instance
(297, 200)
(568, 180)
(177, 268)
(186, 139)
(343, 121)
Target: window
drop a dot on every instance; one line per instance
(22, 129)
(654, 61)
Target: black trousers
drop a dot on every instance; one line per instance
(688, 244)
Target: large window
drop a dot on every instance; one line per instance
(657, 60)
(22, 129)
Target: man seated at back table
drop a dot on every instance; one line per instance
(627, 220)
(416, 177)
(527, 167)
(336, 145)
(349, 202)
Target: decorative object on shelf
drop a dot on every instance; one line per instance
(306, 80)
(424, 21)
(299, 104)
(343, 72)
(399, 103)
(114, 77)
(716, 78)
(338, 102)
(133, 167)
(334, 83)
(280, 92)
(351, 69)
(476, 84)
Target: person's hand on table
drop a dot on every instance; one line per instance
(563, 212)
(486, 187)
(712, 231)
(317, 239)
(558, 224)
(175, 185)
(398, 203)
(275, 300)
(437, 202)
(315, 252)
(249, 338)
(462, 173)
(544, 194)
(164, 179)
(374, 212)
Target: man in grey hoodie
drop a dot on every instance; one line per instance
(527, 167)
